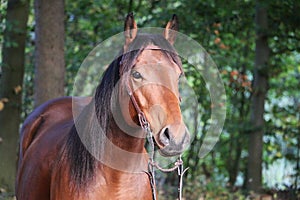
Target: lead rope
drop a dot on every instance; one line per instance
(151, 164)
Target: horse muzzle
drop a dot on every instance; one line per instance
(172, 140)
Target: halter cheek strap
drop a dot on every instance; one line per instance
(141, 116)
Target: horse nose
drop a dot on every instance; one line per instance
(174, 140)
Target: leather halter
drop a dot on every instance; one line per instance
(151, 164)
(141, 116)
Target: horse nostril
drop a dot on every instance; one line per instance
(166, 133)
(165, 136)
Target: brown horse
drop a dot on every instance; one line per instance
(100, 155)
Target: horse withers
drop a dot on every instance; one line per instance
(101, 153)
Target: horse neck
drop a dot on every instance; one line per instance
(124, 152)
(132, 142)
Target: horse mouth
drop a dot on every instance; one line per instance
(171, 148)
(167, 153)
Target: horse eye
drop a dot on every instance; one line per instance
(136, 75)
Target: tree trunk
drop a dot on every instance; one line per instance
(260, 87)
(49, 52)
(13, 55)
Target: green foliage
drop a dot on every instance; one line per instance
(226, 30)
(28, 79)
(3, 5)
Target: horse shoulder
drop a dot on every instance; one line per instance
(60, 187)
(34, 170)
(43, 136)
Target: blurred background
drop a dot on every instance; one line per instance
(255, 44)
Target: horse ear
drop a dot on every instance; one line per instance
(171, 29)
(130, 30)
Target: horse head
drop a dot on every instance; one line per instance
(150, 70)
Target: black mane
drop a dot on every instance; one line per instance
(81, 160)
